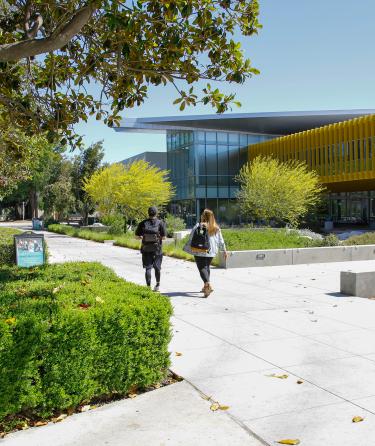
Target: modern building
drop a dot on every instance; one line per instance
(205, 153)
(157, 159)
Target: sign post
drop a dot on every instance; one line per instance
(29, 248)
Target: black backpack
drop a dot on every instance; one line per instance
(151, 236)
(200, 241)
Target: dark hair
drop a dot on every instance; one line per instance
(152, 211)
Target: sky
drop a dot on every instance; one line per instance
(312, 55)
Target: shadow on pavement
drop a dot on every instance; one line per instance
(184, 294)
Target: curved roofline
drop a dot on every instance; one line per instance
(270, 123)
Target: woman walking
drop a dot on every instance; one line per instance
(204, 243)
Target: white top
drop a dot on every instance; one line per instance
(216, 243)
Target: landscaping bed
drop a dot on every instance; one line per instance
(72, 333)
(7, 251)
(235, 239)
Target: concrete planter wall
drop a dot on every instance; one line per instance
(296, 256)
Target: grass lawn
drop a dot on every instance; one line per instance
(236, 240)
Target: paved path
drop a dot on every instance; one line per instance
(288, 320)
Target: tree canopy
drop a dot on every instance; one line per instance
(283, 191)
(50, 53)
(18, 154)
(129, 189)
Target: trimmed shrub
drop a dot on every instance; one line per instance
(75, 331)
(174, 224)
(116, 223)
(7, 251)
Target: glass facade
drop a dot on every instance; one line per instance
(352, 207)
(203, 166)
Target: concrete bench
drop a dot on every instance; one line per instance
(361, 284)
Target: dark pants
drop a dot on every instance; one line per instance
(203, 264)
(151, 260)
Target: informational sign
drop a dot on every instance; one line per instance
(29, 249)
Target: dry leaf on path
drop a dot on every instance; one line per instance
(289, 441)
(178, 354)
(278, 376)
(299, 381)
(357, 419)
(215, 406)
(223, 407)
(59, 418)
(40, 423)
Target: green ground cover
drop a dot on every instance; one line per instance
(236, 240)
(74, 331)
(247, 239)
(368, 238)
(7, 252)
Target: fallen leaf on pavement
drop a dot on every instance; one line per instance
(289, 441)
(223, 407)
(299, 382)
(215, 406)
(178, 354)
(40, 423)
(357, 419)
(278, 376)
(59, 418)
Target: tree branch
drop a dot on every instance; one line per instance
(33, 47)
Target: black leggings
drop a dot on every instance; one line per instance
(151, 260)
(203, 264)
(148, 275)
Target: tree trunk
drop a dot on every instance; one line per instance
(34, 204)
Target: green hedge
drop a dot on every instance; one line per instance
(75, 331)
(7, 252)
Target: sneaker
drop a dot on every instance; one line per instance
(156, 288)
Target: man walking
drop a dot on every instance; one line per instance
(152, 231)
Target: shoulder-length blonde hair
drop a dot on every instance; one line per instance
(208, 218)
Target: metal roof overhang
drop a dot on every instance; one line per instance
(274, 123)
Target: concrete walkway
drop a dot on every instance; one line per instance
(261, 323)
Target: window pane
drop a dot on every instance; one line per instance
(200, 136)
(201, 159)
(234, 138)
(243, 140)
(211, 137)
(222, 137)
(233, 160)
(222, 155)
(211, 160)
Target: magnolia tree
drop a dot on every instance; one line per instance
(283, 191)
(129, 189)
(50, 51)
